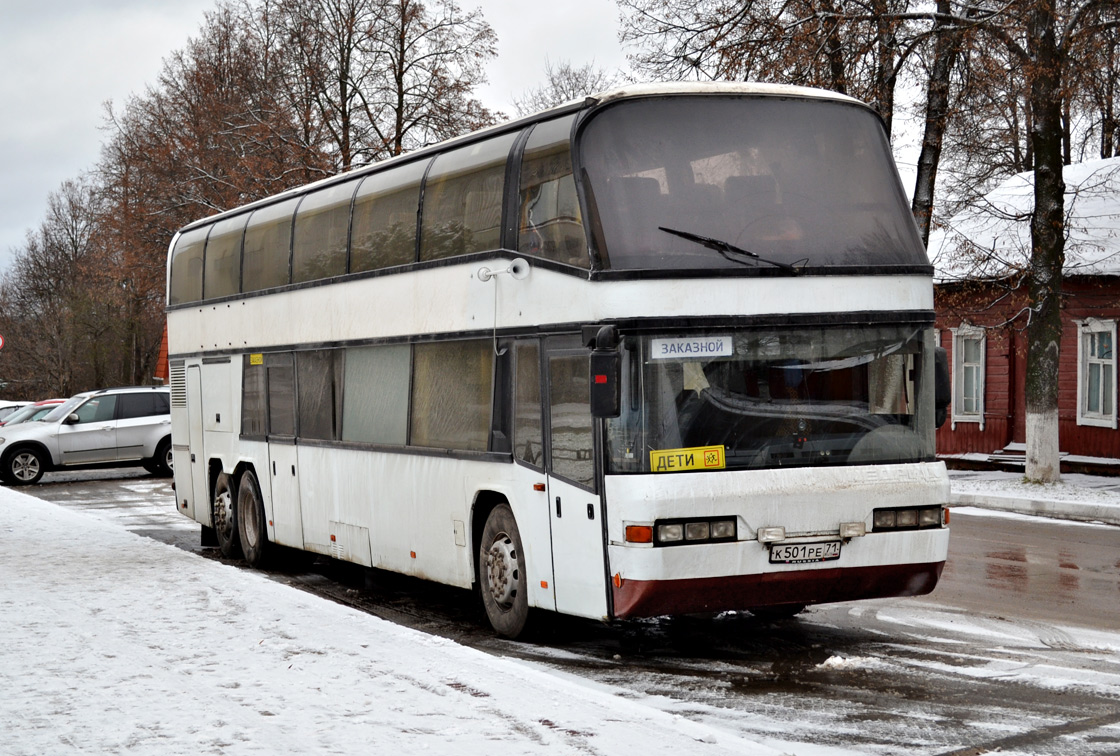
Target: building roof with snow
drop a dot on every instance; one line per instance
(992, 238)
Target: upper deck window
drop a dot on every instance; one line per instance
(268, 244)
(805, 182)
(223, 258)
(550, 222)
(384, 228)
(463, 200)
(321, 232)
(186, 267)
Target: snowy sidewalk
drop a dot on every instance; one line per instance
(1087, 498)
(113, 643)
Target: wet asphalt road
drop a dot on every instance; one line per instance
(1017, 651)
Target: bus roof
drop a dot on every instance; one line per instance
(632, 91)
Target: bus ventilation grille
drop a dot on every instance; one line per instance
(178, 383)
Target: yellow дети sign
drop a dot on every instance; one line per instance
(256, 359)
(696, 458)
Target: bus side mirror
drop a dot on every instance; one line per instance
(605, 375)
(942, 386)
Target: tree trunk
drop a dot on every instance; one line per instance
(834, 49)
(1044, 332)
(946, 48)
(885, 45)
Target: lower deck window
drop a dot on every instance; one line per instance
(451, 395)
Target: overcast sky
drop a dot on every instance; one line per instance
(63, 59)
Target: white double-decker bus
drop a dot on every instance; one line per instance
(666, 350)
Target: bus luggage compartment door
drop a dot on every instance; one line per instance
(196, 459)
(284, 481)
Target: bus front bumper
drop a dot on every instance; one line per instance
(651, 598)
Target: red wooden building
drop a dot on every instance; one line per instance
(981, 300)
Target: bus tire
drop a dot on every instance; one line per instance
(223, 513)
(251, 524)
(501, 574)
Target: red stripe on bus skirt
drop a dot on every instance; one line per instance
(650, 598)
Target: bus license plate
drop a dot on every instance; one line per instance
(799, 553)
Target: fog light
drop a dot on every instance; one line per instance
(884, 518)
(929, 518)
(723, 529)
(668, 533)
(907, 518)
(852, 529)
(769, 535)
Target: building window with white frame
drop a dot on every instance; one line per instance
(969, 345)
(1096, 372)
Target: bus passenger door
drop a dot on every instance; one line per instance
(575, 510)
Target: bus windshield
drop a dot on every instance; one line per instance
(774, 398)
(801, 182)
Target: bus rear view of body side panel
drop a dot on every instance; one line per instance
(811, 506)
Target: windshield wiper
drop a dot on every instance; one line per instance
(728, 250)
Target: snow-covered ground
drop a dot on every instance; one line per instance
(113, 643)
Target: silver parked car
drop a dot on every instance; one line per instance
(107, 428)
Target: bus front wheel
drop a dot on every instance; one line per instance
(223, 515)
(501, 573)
(251, 522)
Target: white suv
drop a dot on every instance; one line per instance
(107, 428)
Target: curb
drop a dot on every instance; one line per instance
(1061, 510)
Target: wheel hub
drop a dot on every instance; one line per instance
(25, 466)
(223, 510)
(501, 571)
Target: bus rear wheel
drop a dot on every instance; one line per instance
(251, 522)
(501, 574)
(223, 515)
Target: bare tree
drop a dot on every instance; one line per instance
(56, 320)
(428, 60)
(563, 83)
(848, 46)
(268, 95)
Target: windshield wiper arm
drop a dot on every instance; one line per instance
(728, 250)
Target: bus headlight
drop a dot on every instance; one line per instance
(907, 518)
(695, 531)
(883, 519)
(930, 517)
(723, 529)
(670, 533)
